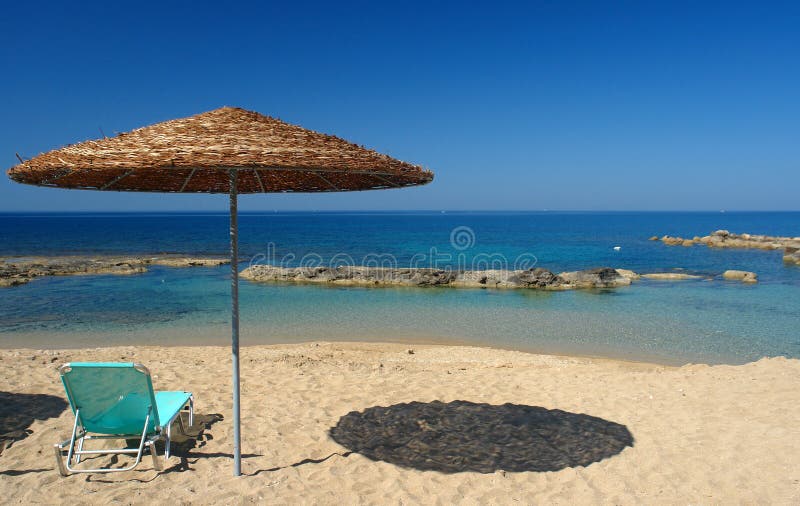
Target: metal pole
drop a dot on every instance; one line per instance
(237, 451)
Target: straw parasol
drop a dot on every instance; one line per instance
(227, 150)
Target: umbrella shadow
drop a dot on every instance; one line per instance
(462, 436)
(19, 411)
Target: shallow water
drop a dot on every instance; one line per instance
(691, 321)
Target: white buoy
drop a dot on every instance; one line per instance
(617, 248)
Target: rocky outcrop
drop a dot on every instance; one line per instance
(188, 261)
(672, 241)
(791, 255)
(604, 277)
(532, 278)
(628, 274)
(18, 271)
(15, 272)
(7, 282)
(743, 276)
(541, 279)
(725, 239)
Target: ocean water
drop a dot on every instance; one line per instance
(690, 321)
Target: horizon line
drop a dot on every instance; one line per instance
(362, 211)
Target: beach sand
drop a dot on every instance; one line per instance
(654, 434)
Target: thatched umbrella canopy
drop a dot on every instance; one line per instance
(194, 155)
(228, 150)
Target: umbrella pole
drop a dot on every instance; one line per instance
(237, 452)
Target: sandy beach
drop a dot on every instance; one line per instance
(333, 423)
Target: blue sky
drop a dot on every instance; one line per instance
(549, 105)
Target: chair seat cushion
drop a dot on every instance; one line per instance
(169, 403)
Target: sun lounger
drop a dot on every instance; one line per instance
(117, 401)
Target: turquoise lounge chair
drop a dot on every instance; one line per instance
(116, 401)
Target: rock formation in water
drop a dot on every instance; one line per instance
(18, 271)
(538, 278)
(725, 239)
(743, 276)
(791, 255)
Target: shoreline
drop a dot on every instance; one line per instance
(223, 342)
(401, 347)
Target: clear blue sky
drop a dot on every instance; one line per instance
(556, 105)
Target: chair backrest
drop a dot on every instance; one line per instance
(113, 398)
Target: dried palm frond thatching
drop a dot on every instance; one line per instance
(195, 154)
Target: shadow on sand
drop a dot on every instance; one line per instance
(181, 448)
(19, 411)
(194, 437)
(463, 436)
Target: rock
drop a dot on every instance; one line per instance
(791, 255)
(678, 241)
(743, 276)
(654, 238)
(538, 278)
(189, 261)
(603, 277)
(670, 276)
(9, 282)
(17, 271)
(625, 273)
(672, 241)
(726, 239)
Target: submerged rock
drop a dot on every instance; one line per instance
(671, 276)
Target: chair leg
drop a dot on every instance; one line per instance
(156, 463)
(80, 449)
(72, 439)
(180, 423)
(168, 442)
(139, 451)
(60, 460)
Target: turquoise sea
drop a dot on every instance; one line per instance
(690, 321)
